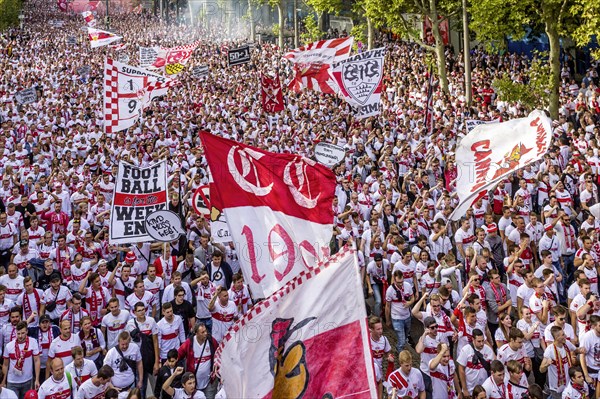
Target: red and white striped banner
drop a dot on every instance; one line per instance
(172, 60)
(312, 63)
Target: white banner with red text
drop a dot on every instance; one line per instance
(490, 152)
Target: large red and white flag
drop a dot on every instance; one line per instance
(309, 339)
(272, 96)
(99, 38)
(277, 206)
(90, 20)
(79, 6)
(312, 63)
(172, 60)
(360, 81)
(491, 152)
(127, 91)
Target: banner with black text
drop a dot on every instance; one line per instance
(238, 56)
(138, 193)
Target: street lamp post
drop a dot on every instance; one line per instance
(107, 18)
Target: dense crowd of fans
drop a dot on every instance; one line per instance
(510, 292)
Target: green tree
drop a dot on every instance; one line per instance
(493, 20)
(280, 25)
(324, 6)
(396, 15)
(312, 32)
(9, 13)
(531, 94)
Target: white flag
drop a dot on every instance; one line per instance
(99, 38)
(360, 80)
(490, 152)
(309, 339)
(127, 91)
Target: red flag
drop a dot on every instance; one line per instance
(272, 97)
(62, 5)
(312, 63)
(173, 59)
(311, 339)
(90, 20)
(281, 200)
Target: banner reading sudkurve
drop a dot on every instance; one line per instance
(138, 192)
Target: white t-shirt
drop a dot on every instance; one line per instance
(442, 379)
(6, 393)
(406, 385)
(61, 348)
(147, 327)
(378, 349)
(14, 286)
(180, 394)
(148, 299)
(114, 325)
(170, 335)
(52, 389)
(506, 353)
(88, 390)
(591, 343)
(222, 318)
(493, 390)
(83, 373)
(550, 353)
(26, 373)
(123, 379)
(475, 373)
(399, 309)
(569, 332)
(572, 393)
(202, 355)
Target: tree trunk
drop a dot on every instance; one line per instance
(320, 20)
(251, 17)
(370, 34)
(467, 55)
(554, 42)
(280, 14)
(439, 46)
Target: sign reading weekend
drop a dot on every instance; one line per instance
(138, 193)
